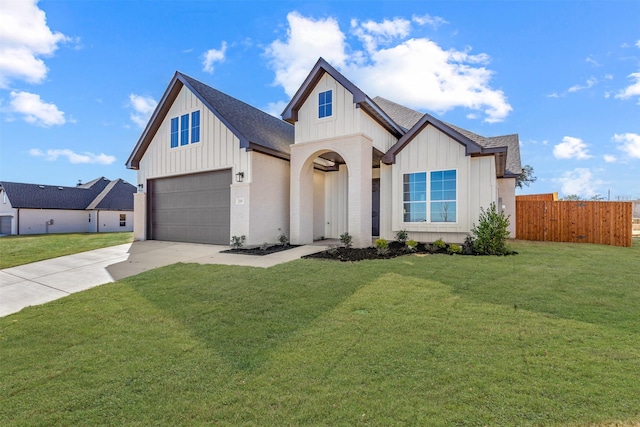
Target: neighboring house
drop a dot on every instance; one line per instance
(214, 167)
(95, 207)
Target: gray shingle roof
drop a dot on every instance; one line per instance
(407, 118)
(255, 129)
(37, 196)
(251, 125)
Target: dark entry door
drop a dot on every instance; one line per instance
(375, 207)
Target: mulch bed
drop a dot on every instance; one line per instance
(259, 250)
(396, 249)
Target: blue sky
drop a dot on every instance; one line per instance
(78, 79)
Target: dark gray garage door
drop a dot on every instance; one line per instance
(191, 208)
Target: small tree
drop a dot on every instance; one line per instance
(491, 233)
(346, 238)
(526, 177)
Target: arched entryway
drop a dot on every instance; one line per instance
(349, 161)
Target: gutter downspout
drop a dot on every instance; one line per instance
(18, 223)
(97, 221)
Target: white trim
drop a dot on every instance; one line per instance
(428, 201)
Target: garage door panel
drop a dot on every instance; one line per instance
(192, 208)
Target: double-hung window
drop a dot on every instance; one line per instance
(184, 129)
(174, 132)
(195, 126)
(439, 204)
(123, 220)
(325, 104)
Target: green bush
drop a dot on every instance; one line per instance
(346, 238)
(491, 233)
(283, 239)
(468, 247)
(382, 246)
(411, 245)
(237, 242)
(454, 249)
(440, 244)
(401, 236)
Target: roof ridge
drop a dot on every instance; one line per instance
(102, 194)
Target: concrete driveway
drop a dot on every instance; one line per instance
(44, 281)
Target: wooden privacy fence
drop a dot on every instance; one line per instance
(607, 223)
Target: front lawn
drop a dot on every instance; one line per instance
(547, 337)
(19, 250)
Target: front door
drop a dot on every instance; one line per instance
(375, 207)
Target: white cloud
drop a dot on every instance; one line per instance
(609, 158)
(34, 110)
(591, 60)
(75, 158)
(25, 39)
(630, 144)
(589, 83)
(638, 44)
(212, 56)
(143, 107)
(632, 90)
(579, 181)
(426, 19)
(276, 108)
(415, 72)
(307, 40)
(571, 148)
(372, 33)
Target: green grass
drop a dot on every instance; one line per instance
(19, 250)
(547, 337)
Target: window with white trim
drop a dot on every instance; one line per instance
(195, 126)
(443, 196)
(439, 204)
(325, 104)
(180, 129)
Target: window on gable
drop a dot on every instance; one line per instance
(184, 129)
(123, 220)
(174, 132)
(195, 126)
(414, 197)
(325, 103)
(443, 196)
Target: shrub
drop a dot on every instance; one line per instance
(237, 242)
(454, 249)
(468, 247)
(346, 238)
(401, 236)
(440, 244)
(382, 246)
(283, 239)
(491, 233)
(411, 245)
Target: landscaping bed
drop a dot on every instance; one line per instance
(259, 250)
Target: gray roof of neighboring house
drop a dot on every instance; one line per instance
(254, 128)
(81, 197)
(408, 118)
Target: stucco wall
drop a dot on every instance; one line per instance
(34, 221)
(507, 196)
(269, 199)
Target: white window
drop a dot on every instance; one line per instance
(439, 204)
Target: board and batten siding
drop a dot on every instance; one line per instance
(432, 150)
(218, 148)
(345, 120)
(336, 202)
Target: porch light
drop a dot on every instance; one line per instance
(239, 176)
(141, 187)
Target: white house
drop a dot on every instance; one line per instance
(98, 206)
(214, 167)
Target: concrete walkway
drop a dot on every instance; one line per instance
(44, 281)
